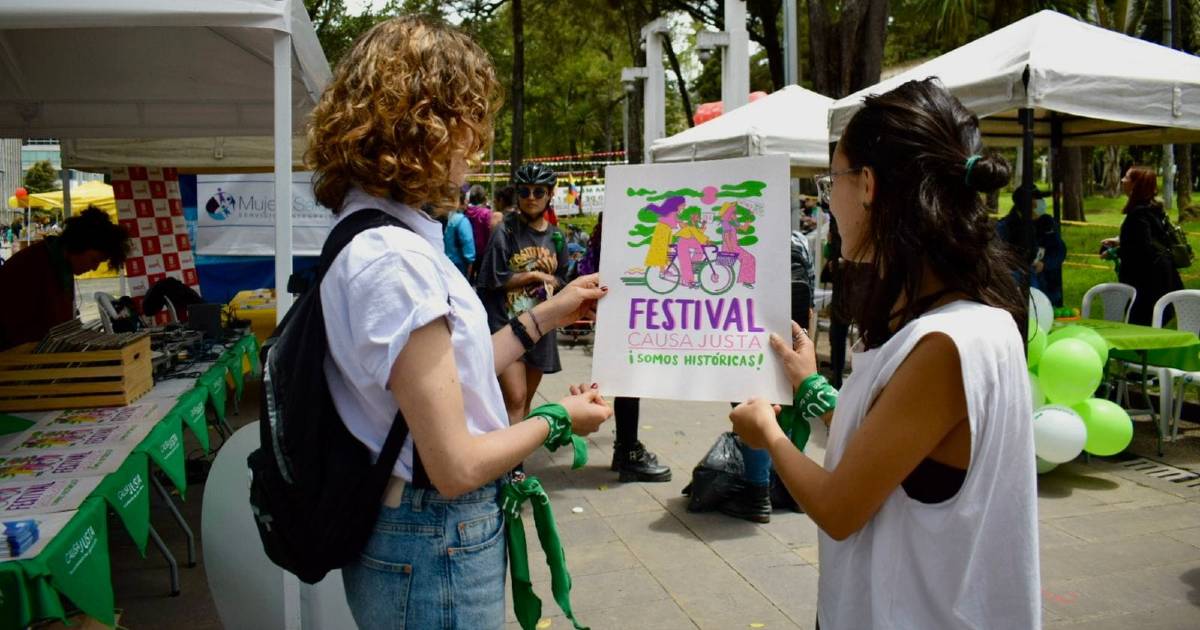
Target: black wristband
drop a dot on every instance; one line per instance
(522, 335)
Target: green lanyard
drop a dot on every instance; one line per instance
(527, 605)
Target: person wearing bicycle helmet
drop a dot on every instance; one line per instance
(524, 264)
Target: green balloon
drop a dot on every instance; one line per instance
(1084, 334)
(1069, 372)
(1035, 347)
(1109, 429)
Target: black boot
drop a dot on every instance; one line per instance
(752, 504)
(635, 463)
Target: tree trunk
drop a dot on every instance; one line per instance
(679, 81)
(518, 89)
(1072, 186)
(766, 13)
(1111, 182)
(846, 55)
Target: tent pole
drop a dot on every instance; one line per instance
(1025, 114)
(283, 173)
(1056, 166)
(66, 184)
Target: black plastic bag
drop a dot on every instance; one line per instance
(720, 475)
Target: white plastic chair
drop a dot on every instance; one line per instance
(1187, 317)
(1116, 298)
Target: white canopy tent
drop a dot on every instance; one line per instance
(166, 69)
(219, 154)
(1052, 80)
(792, 121)
(1095, 85)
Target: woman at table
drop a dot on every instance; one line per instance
(927, 503)
(407, 107)
(1146, 262)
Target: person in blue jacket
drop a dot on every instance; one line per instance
(460, 242)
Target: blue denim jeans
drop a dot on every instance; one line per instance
(432, 563)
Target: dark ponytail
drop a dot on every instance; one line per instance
(926, 152)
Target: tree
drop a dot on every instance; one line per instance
(846, 50)
(762, 25)
(41, 177)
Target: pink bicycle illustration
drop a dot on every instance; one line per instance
(714, 272)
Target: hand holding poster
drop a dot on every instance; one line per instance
(697, 263)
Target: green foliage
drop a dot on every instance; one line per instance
(41, 177)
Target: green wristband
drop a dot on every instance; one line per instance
(560, 432)
(815, 397)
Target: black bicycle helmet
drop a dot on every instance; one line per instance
(534, 174)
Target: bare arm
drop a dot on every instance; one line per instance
(424, 383)
(523, 278)
(921, 405)
(567, 306)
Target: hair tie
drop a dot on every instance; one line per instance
(970, 165)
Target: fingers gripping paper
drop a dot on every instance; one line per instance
(696, 258)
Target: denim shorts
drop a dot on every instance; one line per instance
(432, 562)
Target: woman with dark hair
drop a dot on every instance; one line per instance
(1146, 262)
(38, 283)
(927, 501)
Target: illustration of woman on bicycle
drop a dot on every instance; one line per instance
(730, 229)
(689, 245)
(660, 240)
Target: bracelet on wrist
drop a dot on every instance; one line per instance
(536, 325)
(561, 432)
(521, 334)
(815, 397)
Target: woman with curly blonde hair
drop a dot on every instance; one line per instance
(408, 105)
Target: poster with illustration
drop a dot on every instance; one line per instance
(105, 415)
(58, 437)
(697, 263)
(59, 464)
(34, 497)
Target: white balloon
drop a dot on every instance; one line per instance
(1035, 391)
(1058, 433)
(1041, 308)
(1044, 466)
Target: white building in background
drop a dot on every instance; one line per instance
(10, 174)
(34, 150)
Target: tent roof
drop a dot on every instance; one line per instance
(138, 69)
(90, 193)
(1105, 87)
(791, 121)
(232, 154)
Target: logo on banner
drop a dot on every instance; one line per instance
(220, 205)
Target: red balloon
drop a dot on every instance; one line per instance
(754, 96)
(21, 193)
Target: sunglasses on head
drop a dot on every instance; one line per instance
(538, 192)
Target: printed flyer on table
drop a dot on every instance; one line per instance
(697, 263)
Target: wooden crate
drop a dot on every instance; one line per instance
(68, 380)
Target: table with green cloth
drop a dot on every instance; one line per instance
(71, 560)
(1148, 347)
(1156, 347)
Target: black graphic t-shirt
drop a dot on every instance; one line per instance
(516, 247)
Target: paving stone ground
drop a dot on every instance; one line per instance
(1119, 549)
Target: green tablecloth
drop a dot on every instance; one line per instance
(75, 562)
(1163, 347)
(127, 492)
(190, 409)
(164, 446)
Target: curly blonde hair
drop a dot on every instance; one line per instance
(406, 99)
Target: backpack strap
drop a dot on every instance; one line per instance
(339, 237)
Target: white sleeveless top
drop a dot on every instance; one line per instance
(970, 561)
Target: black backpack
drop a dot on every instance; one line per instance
(314, 490)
